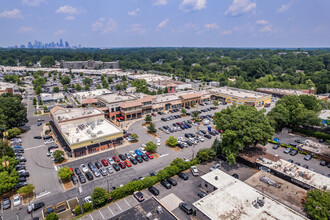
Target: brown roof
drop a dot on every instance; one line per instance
(171, 85)
(191, 95)
(103, 108)
(147, 98)
(130, 104)
(89, 101)
(56, 108)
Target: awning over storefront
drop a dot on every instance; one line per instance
(79, 150)
(93, 146)
(106, 142)
(158, 106)
(119, 139)
(176, 103)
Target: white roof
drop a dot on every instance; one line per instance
(236, 200)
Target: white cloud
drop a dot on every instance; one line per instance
(102, 25)
(138, 29)
(160, 2)
(192, 5)
(163, 23)
(59, 32)
(15, 13)
(240, 7)
(212, 26)
(266, 28)
(227, 32)
(263, 22)
(284, 7)
(66, 9)
(69, 18)
(25, 29)
(132, 13)
(33, 2)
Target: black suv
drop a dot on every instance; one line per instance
(172, 181)
(89, 176)
(166, 184)
(153, 190)
(122, 157)
(98, 165)
(183, 176)
(82, 179)
(186, 208)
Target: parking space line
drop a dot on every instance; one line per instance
(101, 214)
(127, 203)
(91, 216)
(111, 211)
(119, 206)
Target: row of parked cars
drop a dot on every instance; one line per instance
(109, 165)
(16, 144)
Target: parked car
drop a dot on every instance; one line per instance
(111, 161)
(89, 176)
(186, 208)
(24, 174)
(35, 206)
(133, 161)
(149, 155)
(98, 165)
(132, 153)
(235, 175)
(183, 176)
(166, 184)
(194, 171)
(293, 152)
(144, 157)
(6, 203)
(215, 166)
(37, 137)
(104, 162)
(128, 156)
(275, 146)
(122, 165)
(122, 157)
(96, 173)
(323, 163)
(116, 159)
(287, 150)
(103, 171)
(139, 159)
(153, 190)
(139, 196)
(81, 178)
(138, 152)
(308, 157)
(127, 163)
(110, 170)
(16, 200)
(172, 181)
(207, 136)
(84, 168)
(201, 194)
(88, 199)
(74, 179)
(116, 167)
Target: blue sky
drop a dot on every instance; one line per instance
(189, 23)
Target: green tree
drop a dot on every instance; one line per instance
(172, 141)
(148, 119)
(87, 81)
(105, 84)
(58, 156)
(66, 80)
(183, 111)
(87, 88)
(151, 147)
(78, 87)
(47, 61)
(317, 204)
(56, 89)
(35, 101)
(102, 77)
(87, 207)
(38, 90)
(216, 146)
(8, 180)
(100, 196)
(110, 79)
(216, 103)
(195, 115)
(13, 132)
(77, 210)
(40, 102)
(26, 190)
(134, 136)
(206, 154)
(98, 87)
(64, 173)
(244, 127)
(52, 216)
(151, 128)
(65, 88)
(6, 150)
(124, 78)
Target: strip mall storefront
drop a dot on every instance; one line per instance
(93, 148)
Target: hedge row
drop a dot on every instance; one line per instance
(316, 134)
(176, 166)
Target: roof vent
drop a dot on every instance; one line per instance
(159, 209)
(216, 177)
(149, 215)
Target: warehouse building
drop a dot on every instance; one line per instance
(84, 131)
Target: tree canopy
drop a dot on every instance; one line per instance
(64, 173)
(317, 204)
(100, 196)
(12, 111)
(244, 127)
(151, 147)
(172, 141)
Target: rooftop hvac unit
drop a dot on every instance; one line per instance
(100, 132)
(77, 140)
(159, 209)
(149, 215)
(93, 135)
(88, 131)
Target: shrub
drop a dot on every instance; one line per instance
(100, 196)
(87, 207)
(151, 147)
(52, 216)
(77, 210)
(317, 134)
(64, 173)
(26, 189)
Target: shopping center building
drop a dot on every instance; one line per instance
(84, 131)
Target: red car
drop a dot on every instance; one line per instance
(126, 135)
(150, 155)
(127, 163)
(122, 165)
(72, 172)
(153, 114)
(116, 159)
(104, 162)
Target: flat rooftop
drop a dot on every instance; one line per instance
(63, 114)
(235, 199)
(79, 132)
(111, 98)
(288, 193)
(238, 93)
(92, 93)
(282, 91)
(142, 210)
(297, 173)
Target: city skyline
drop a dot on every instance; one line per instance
(168, 23)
